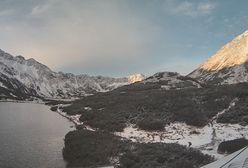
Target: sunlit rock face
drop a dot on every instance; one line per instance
(136, 78)
(229, 64)
(233, 53)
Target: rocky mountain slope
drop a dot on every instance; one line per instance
(228, 66)
(170, 80)
(21, 78)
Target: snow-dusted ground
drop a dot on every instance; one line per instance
(205, 139)
(174, 133)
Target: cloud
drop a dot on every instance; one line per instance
(85, 34)
(39, 9)
(206, 8)
(6, 12)
(106, 37)
(188, 8)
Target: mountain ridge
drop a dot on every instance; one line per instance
(40, 81)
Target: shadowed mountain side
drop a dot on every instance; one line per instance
(14, 89)
(228, 75)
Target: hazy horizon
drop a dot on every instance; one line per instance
(119, 38)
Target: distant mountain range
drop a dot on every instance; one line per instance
(21, 78)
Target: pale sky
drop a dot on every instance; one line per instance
(120, 37)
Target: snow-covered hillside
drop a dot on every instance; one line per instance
(32, 78)
(229, 65)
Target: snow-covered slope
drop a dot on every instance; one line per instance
(229, 65)
(172, 80)
(33, 78)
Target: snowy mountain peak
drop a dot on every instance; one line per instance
(136, 78)
(228, 65)
(233, 53)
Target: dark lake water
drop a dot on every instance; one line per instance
(31, 136)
